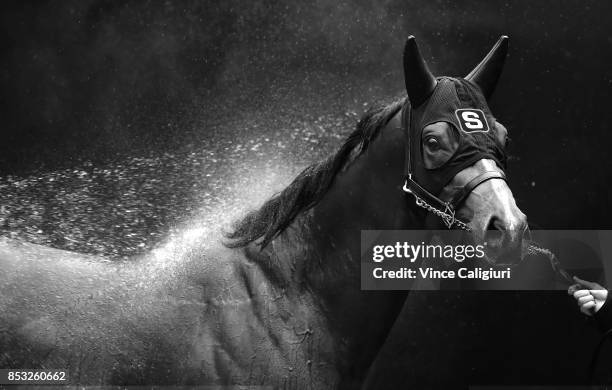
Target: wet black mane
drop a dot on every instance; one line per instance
(309, 187)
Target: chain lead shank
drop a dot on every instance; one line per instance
(448, 215)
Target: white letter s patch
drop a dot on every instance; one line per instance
(472, 120)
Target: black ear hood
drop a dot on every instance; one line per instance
(460, 103)
(420, 82)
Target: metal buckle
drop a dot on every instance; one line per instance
(405, 188)
(448, 215)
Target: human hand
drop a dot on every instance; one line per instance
(590, 296)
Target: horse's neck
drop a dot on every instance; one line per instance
(321, 251)
(367, 195)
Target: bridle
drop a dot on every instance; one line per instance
(428, 201)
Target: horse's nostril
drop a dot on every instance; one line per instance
(503, 240)
(491, 225)
(493, 237)
(505, 235)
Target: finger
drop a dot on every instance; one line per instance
(585, 299)
(581, 293)
(589, 305)
(586, 283)
(573, 288)
(599, 294)
(587, 309)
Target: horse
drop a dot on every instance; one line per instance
(276, 301)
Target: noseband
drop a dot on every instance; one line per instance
(425, 199)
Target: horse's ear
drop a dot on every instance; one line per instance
(420, 82)
(486, 74)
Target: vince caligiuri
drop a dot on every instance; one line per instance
(431, 273)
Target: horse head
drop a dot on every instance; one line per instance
(455, 153)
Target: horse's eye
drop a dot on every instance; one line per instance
(432, 144)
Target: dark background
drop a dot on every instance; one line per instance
(101, 80)
(121, 120)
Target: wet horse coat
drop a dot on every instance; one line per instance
(282, 308)
(283, 316)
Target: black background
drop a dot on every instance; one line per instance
(101, 80)
(97, 83)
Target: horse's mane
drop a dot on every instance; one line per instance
(309, 187)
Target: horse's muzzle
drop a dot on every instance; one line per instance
(504, 239)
